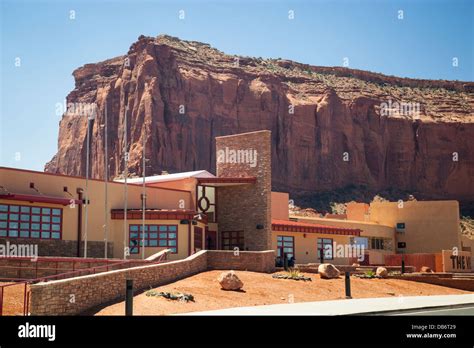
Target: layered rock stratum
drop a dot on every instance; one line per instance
(331, 127)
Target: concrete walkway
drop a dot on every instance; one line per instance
(345, 307)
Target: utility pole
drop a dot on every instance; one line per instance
(144, 192)
(89, 120)
(106, 174)
(125, 173)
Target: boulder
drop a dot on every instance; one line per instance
(328, 271)
(381, 272)
(229, 281)
(426, 269)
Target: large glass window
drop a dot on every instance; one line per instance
(164, 236)
(377, 243)
(285, 245)
(23, 221)
(360, 242)
(326, 245)
(232, 239)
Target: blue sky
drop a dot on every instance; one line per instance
(50, 46)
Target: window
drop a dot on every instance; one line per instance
(156, 236)
(325, 244)
(206, 201)
(360, 241)
(377, 243)
(232, 239)
(22, 221)
(400, 227)
(285, 245)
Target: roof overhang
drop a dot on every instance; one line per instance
(39, 199)
(291, 226)
(158, 214)
(216, 182)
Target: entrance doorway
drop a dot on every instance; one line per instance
(211, 240)
(197, 239)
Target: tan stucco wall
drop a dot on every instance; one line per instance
(368, 229)
(280, 205)
(430, 226)
(306, 248)
(18, 181)
(183, 238)
(357, 211)
(467, 244)
(188, 184)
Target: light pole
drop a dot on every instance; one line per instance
(125, 173)
(89, 121)
(106, 174)
(144, 192)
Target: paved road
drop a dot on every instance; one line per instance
(371, 306)
(468, 310)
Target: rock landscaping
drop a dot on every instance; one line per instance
(229, 281)
(172, 296)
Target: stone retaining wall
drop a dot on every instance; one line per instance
(442, 280)
(78, 295)
(256, 261)
(313, 268)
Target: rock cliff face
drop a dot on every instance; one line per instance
(331, 127)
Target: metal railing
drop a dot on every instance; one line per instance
(111, 265)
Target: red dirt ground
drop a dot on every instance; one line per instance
(262, 289)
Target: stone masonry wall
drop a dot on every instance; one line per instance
(256, 261)
(233, 214)
(441, 280)
(78, 295)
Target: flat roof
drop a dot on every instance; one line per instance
(220, 181)
(39, 198)
(169, 177)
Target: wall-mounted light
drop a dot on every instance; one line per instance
(32, 186)
(260, 227)
(184, 222)
(65, 189)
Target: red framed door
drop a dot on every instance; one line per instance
(197, 239)
(211, 240)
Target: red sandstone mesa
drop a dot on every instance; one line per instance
(338, 112)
